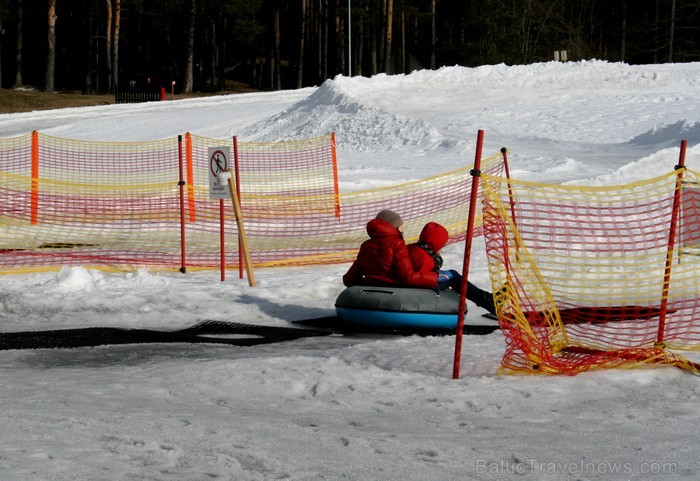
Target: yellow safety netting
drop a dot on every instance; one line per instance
(595, 276)
(125, 205)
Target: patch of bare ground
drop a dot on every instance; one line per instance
(29, 99)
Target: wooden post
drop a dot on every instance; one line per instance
(243, 240)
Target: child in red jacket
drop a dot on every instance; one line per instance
(383, 259)
(425, 256)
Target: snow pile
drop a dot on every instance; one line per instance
(362, 407)
(668, 134)
(365, 128)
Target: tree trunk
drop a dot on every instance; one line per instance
(223, 27)
(656, 31)
(341, 53)
(324, 40)
(374, 46)
(187, 86)
(115, 44)
(433, 34)
(302, 35)
(213, 52)
(389, 31)
(108, 43)
(51, 49)
(18, 43)
(316, 36)
(360, 42)
(672, 31)
(403, 54)
(623, 44)
(87, 81)
(526, 30)
(276, 61)
(381, 33)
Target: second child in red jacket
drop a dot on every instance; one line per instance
(425, 256)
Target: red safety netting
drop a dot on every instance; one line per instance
(124, 205)
(588, 277)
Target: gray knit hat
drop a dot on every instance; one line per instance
(391, 217)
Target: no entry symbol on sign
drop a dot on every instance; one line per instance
(218, 162)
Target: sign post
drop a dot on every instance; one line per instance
(221, 187)
(218, 189)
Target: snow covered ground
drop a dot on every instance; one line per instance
(356, 408)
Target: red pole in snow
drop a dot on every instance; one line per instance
(222, 240)
(671, 241)
(181, 184)
(34, 196)
(238, 192)
(467, 254)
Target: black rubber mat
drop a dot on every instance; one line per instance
(216, 332)
(213, 332)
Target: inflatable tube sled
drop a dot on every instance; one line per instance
(398, 307)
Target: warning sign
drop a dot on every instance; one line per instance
(219, 172)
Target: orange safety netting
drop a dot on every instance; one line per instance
(588, 277)
(124, 205)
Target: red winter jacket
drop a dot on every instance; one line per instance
(383, 261)
(435, 236)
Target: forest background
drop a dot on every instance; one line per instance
(185, 46)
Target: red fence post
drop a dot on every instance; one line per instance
(238, 192)
(181, 184)
(222, 240)
(34, 198)
(680, 168)
(467, 254)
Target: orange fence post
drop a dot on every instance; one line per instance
(336, 189)
(34, 199)
(467, 254)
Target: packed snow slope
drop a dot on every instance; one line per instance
(364, 407)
